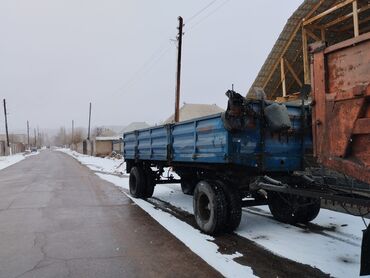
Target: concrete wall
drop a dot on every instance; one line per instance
(15, 148)
(118, 147)
(103, 148)
(85, 147)
(2, 148)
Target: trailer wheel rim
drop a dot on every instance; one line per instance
(204, 207)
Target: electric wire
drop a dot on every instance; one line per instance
(144, 69)
(208, 15)
(201, 11)
(159, 54)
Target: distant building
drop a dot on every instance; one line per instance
(103, 146)
(15, 138)
(135, 126)
(190, 111)
(17, 143)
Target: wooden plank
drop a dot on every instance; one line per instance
(289, 42)
(349, 26)
(328, 11)
(273, 93)
(323, 33)
(282, 76)
(356, 30)
(312, 35)
(306, 66)
(345, 17)
(362, 126)
(290, 68)
(347, 43)
(319, 108)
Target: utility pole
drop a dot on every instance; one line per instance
(178, 72)
(38, 135)
(6, 124)
(28, 135)
(73, 126)
(34, 130)
(88, 131)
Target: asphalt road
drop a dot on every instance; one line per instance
(58, 219)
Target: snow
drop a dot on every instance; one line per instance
(199, 243)
(6, 161)
(108, 165)
(334, 248)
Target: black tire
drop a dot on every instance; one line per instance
(188, 186)
(311, 211)
(293, 209)
(150, 183)
(210, 208)
(137, 182)
(234, 206)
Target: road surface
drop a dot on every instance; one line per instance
(58, 219)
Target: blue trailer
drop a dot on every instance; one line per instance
(256, 153)
(226, 157)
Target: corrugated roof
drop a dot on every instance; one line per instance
(107, 138)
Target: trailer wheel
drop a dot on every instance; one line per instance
(234, 206)
(137, 182)
(210, 207)
(150, 183)
(293, 209)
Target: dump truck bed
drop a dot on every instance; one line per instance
(206, 140)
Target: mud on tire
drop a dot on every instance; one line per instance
(137, 182)
(234, 206)
(210, 207)
(293, 209)
(150, 183)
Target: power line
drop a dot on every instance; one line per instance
(158, 55)
(145, 69)
(201, 11)
(208, 15)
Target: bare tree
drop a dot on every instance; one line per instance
(78, 135)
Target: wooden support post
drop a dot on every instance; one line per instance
(282, 74)
(291, 70)
(297, 28)
(323, 34)
(312, 35)
(328, 11)
(355, 19)
(345, 17)
(306, 66)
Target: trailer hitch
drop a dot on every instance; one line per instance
(269, 184)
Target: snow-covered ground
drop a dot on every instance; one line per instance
(6, 161)
(335, 248)
(107, 165)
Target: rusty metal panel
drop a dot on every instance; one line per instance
(341, 110)
(348, 68)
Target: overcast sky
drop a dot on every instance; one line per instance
(57, 56)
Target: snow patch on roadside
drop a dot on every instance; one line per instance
(197, 242)
(335, 249)
(6, 161)
(109, 165)
(332, 243)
